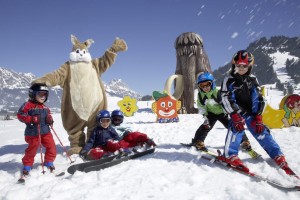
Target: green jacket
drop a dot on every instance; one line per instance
(208, 102)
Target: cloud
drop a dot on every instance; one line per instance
(234, 35)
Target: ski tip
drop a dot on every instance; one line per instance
(60, 174)
(21, 181)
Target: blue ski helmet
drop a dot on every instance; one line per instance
(117, 113)
(206, 76)
(103, 114)
(35, 88)
(117, 117)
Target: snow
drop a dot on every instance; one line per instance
(279, 67)
(172, 172)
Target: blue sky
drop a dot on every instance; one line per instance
(35, 34)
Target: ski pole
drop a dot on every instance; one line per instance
(61, 144)
(40, 144)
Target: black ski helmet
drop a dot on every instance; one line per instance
(35, 88)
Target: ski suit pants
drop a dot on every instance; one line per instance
(33, 145)
(265, 139)
(132, 139)
(203, 130)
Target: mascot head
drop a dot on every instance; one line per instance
(80, 52)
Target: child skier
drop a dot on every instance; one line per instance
(128, 137)
(242, 99)
(209, 106)
(37, 117)
(103, 140)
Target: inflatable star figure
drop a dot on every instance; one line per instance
(128, 106)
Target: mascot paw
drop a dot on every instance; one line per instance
(74, 150)
(119, 45)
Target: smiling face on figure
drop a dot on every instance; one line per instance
(166, 107)
(128, 106)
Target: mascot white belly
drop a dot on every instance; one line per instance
(85, 89)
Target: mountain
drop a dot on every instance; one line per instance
(276, 61)
(118, 88)
(14, 91)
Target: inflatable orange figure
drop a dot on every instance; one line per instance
(165, 107)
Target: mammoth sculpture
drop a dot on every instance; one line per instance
(191, 60)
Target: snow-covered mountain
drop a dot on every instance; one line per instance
(14, 91)
(118, 88)
(276, 61)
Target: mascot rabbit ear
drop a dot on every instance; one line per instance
(76, 42)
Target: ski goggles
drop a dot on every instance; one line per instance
(42, 94)
(204, 84)
(117, 119)
(242, 66)
(104, 120)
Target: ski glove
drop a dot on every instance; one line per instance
(238, 122)
(83, 154)
(49, 119)
(259, 126)
(35, 119)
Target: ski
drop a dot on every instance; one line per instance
(22, 179)
(118, 160)
(253, 154)
(59, 174)
(276, 184)
(80, 167)
(192, 145)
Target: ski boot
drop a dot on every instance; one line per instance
(24, 175)
(199, 144)
(281, 162)
(150, 143)
(234, 161)
(123, 152)
(50, 166)
(245, 145)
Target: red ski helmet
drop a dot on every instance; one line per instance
(243, 57)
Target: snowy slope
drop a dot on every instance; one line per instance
(279, 67)
(172, 172)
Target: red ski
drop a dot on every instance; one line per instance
(214, 159)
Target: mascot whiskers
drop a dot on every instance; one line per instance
(83, 91)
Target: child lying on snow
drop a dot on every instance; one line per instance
(105, 140)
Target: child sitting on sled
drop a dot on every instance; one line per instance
(105, 140)
(128, 137)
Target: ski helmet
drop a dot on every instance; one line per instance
(117, 113)
(206, 76)
(117, 117)
(35, 88)
(103, 114)
(243, 57)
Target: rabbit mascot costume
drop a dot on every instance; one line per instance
(83, 91)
